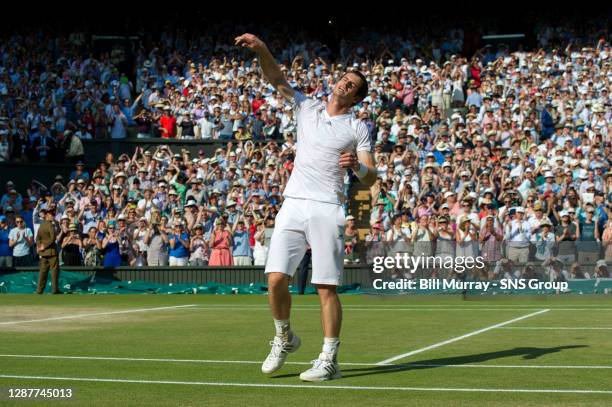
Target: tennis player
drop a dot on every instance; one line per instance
(329, 141)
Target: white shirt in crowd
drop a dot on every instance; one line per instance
(518, 233)
(21, 248)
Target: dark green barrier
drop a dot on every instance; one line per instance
(236, 280)
(94, 283)
(197, 275)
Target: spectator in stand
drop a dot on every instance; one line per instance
(6, 251)
(21, 240)
(43, 144)
(241, 251)
(351, 240)
(260, 250)
(167, 124)
(566, 234)
(118, 122)
(220, 244)
(110, 245)
(75, 151)
(91, 248)
(198, 247)
(156, 241)
(71, 246)
(179, 242)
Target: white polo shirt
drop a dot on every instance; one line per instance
(321, 139)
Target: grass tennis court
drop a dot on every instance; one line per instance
(207, 350)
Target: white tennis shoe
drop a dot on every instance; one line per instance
(324, 368)
(278, 354)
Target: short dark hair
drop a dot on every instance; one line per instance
(362, 92)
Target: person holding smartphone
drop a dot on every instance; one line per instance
(110, 247)
(71, 247)
(179, 246)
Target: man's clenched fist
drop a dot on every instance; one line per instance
(250, 41)
(348, 160)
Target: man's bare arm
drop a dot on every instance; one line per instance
(268, 65)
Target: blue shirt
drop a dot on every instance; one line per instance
(228, 126)
(90, 220)
(474, 99)
(28, 217)
(129, 114)
(5, 249)
(208, 227)
(554, 188)
(179, 250)
(221, 185)
(83, 175)
(240, 246)
(232, 217)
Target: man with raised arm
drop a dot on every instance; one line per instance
(329, 141)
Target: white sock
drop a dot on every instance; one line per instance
(283, 328)
(330, 347)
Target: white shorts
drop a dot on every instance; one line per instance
(178, 261)
(301, 222)
(242, 261)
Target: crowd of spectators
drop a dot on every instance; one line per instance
(504, 153)
(156, 208)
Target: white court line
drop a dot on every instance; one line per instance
(302, 308)
(471, 306)
(580, 309)
(311, 386)
(556, 328)
(94, 314)
(258, 362)
(299, 308)
(458, 338)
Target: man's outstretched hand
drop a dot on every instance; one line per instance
(250, 41)
(268, 65)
